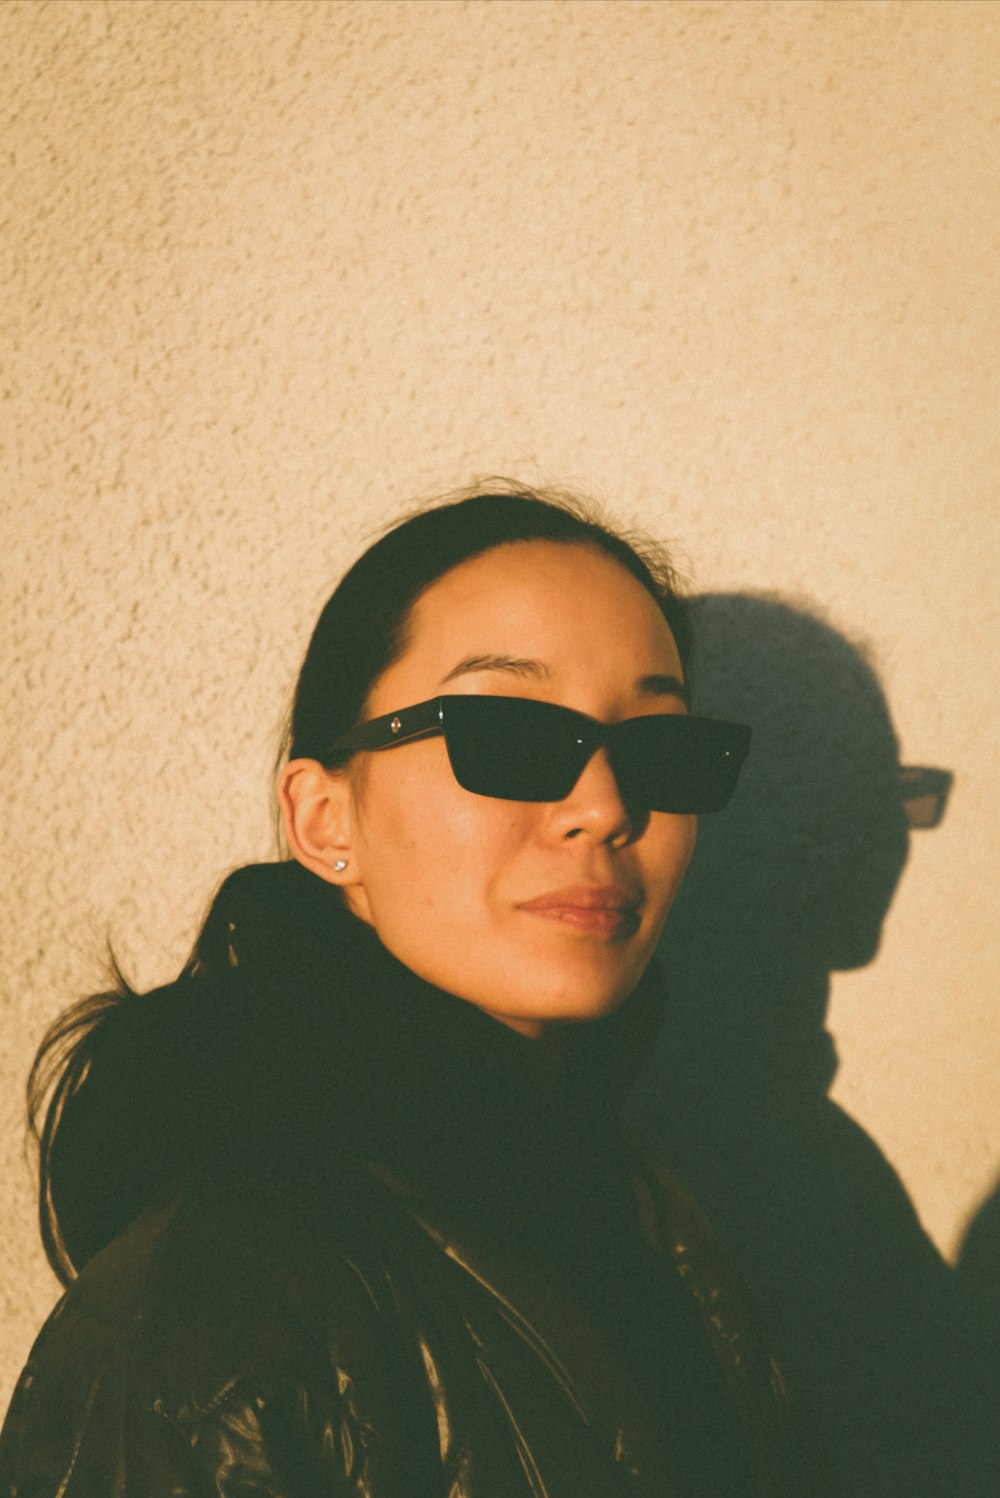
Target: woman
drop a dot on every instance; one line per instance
(344, 1208)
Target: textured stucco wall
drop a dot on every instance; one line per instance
(272, 269)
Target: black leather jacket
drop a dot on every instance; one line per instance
(458, 1285)
(242, 1340)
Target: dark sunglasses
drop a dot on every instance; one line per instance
(520, 749)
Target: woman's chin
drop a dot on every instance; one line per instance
(561, 1001)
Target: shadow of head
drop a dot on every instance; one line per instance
(800, 869)
(791, 881)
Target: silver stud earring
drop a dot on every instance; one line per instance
(340, 865)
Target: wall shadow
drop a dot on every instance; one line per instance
(978, 1270)
(791, 882)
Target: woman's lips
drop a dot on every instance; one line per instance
(606, 911)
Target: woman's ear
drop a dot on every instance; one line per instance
(316, 812)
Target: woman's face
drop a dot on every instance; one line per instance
(460, 886)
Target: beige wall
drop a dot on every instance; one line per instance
(272, 269)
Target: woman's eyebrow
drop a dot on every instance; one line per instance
(513, 665)
(663, 686)
(648, 686)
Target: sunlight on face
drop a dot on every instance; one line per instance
(459, 886)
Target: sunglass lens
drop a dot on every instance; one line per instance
(514, 748)
(679, 764)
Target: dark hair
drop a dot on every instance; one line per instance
(126, 1088)
(373, 604)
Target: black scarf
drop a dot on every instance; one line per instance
(342, 1044)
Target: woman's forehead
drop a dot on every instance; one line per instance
(545, 607)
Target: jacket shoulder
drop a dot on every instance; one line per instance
(221, 1327)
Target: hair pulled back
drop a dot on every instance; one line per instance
(363, 628)
(128, 1090)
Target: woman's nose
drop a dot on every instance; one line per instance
(595, 806)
